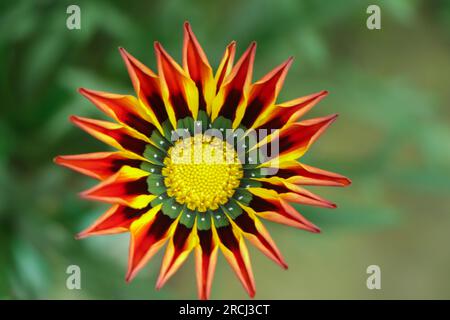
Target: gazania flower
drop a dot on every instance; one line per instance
(164, 181)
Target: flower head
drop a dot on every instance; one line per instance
(191, 171)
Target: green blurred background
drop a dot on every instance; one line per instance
(390, 87)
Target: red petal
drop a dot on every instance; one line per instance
(264, 93)
(293, 193)
(294, 140)
(302, 174)
(274, 208)
(148, 235)
(205, 262)
(113, 134)
(116, 220)
(286, 113)
(255, 231)
(127, 187)
(99, 165)
(124, 109)
(179, 90)
(181, 244)
(147, 86)
(225, 66)
(235, 251)
(235, 86)
(197, 66)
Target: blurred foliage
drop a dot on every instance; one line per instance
(392, 139)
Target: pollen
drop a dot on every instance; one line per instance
(202, 172)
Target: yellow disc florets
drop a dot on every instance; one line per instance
(202, 172)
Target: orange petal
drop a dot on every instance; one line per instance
(110, 133)
(293, 193)
(233, 247)
(178, 90)
(127, 187)
(205, 262)
(302, 174)
(294, 140)
(148, 235)
(197, 66)
(147, 86)
(272, 207)
(263, 94)
(116, 220)
(99, 165)
(235, 87)
(180, 246)
(254, 230)
(284, 114)
(225, 66)
(122, 108)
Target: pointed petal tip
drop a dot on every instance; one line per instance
(333, 117)
(129, 276)
(157, 45)
(232, 44)
(160, 283)
(81, 235)
(124, 54)
(187, 26)
(346, 182)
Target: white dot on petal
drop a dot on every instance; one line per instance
(217, 217)
(174, 207)
(203, 219)
(188, 215)
(240, 197)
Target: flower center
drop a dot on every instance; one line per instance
(202, 172)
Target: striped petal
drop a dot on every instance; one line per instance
(234, 90)
(293, 193)
(148, 235)
(124, 109)
(270, 206)
(294, 140)
(116, 220)
(180, 246)
(235, 251)
(282, 115)
(112, 134)
(263, 95)
(226, 65)
(179, 92)
(252, 228)
(302, 174)
(128, 187)
(205, 262)
(98, 165)
(147, 86)
(197, 66)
